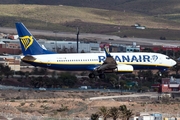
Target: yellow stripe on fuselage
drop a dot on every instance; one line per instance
(95, 63)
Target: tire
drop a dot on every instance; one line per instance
(101, 76)
(91, 75)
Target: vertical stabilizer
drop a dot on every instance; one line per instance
(29, 44)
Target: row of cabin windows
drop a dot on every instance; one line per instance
(77, 60)
(132, 50)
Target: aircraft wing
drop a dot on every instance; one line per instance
(110, 65)
(109, 62)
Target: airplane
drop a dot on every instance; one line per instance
(97, 63)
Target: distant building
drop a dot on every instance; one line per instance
(156, 48)
(147, 116)
(12, 61)
(164, 87)
(10, 47)
(71, 46)
(13, 37)
(168, 85)
(2, 61)
(124, 48)
(132, 48)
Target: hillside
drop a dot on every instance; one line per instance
(92, 16)
(153, 7)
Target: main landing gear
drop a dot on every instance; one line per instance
(93, 75)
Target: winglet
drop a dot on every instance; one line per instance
(107, 52)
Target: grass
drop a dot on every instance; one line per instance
(92, 20)
(52, 14)
(42, 14)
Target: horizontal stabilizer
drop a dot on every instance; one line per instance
(28, 58)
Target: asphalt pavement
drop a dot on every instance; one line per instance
(98, 37)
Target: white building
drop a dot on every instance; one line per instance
(70, 46)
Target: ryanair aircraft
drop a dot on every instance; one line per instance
(97, 63)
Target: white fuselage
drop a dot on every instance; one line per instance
(89, 61)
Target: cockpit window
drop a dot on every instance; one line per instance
(167, 58)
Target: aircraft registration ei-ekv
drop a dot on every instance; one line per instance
(97, 63)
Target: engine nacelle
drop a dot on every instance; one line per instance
(124, 68)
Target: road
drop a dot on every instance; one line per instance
(99, 37)
(151, 95)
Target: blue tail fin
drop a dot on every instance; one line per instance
(29, 45)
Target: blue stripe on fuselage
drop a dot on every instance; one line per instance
(89, 67)
(70, 67)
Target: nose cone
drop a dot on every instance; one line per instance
(173, 62)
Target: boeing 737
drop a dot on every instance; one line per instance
(97, 63)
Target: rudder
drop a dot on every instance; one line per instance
(29, 45)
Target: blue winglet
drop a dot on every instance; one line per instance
(107, 52)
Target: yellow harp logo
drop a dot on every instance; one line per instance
(26, 41)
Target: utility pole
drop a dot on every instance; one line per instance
(55, 32)
(77, 39)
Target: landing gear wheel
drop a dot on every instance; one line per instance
(101, 76)
(91, 75)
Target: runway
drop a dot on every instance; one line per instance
(98, 37)
(150, 95)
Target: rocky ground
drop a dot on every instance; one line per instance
(56, 104)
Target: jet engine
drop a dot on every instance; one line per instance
(124, 68)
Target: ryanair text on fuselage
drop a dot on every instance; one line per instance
(131, 58)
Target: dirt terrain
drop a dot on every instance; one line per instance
(56, 104)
